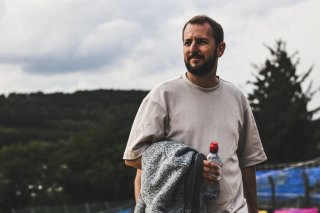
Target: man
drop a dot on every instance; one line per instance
(198, 108)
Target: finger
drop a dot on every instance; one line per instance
(212, 171)
(210, 164)
(210, 167)
(210, 178)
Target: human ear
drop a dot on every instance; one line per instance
(221, 48)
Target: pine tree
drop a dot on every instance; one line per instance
(280, 107)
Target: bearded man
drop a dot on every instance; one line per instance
(200, 107)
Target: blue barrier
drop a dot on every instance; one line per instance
(289, 183)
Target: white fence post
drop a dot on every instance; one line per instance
(66, 210)
(107, 206)
(87, 208)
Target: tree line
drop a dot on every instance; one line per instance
(65, 148)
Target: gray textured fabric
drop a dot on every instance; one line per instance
(164, 165)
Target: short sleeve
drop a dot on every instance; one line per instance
(250, 149)
(148, 127)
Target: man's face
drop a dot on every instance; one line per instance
(199, 48)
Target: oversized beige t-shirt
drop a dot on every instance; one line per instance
(180, 111)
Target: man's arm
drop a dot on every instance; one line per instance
(136, 163)
(137, 184)
(250, 187)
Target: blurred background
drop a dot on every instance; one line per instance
(74, 72)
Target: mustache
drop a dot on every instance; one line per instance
(195, 55)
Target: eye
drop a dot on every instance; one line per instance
(187, 42)
(202, 41)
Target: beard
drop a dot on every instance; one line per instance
(204, 68)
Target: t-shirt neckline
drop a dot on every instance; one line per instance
(205, 89)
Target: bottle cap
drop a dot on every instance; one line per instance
(214, 147)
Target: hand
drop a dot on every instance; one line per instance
(211, 171)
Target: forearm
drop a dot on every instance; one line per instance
(137, 184)
(136, 163)
(250, 188)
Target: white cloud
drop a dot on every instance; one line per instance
(112, 36)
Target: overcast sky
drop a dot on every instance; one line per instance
(69, 45)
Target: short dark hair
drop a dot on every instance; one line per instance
(216, 28)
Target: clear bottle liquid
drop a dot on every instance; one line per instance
(212, 191)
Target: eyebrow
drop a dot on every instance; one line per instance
(196, 39)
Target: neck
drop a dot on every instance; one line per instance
(205, 81)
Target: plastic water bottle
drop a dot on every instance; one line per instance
(212, 191)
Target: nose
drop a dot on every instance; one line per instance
(193, 47)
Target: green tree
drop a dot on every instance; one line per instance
(25, 176)
(280, 107)
(58, 149)
(90, 166)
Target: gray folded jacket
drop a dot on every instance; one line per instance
(171, 179)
